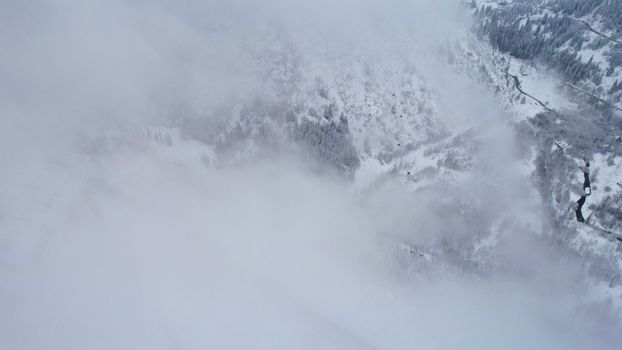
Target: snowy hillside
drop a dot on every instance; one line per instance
(577, 39)
(333, 175)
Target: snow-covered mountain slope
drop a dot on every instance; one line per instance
(252, 175)
(337, 106)
(576, 39)
(561, 128)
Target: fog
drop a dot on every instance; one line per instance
(109, 242)
(265, 257)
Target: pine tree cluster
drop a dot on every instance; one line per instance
(557, 34)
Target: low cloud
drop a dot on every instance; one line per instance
(134, 247)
